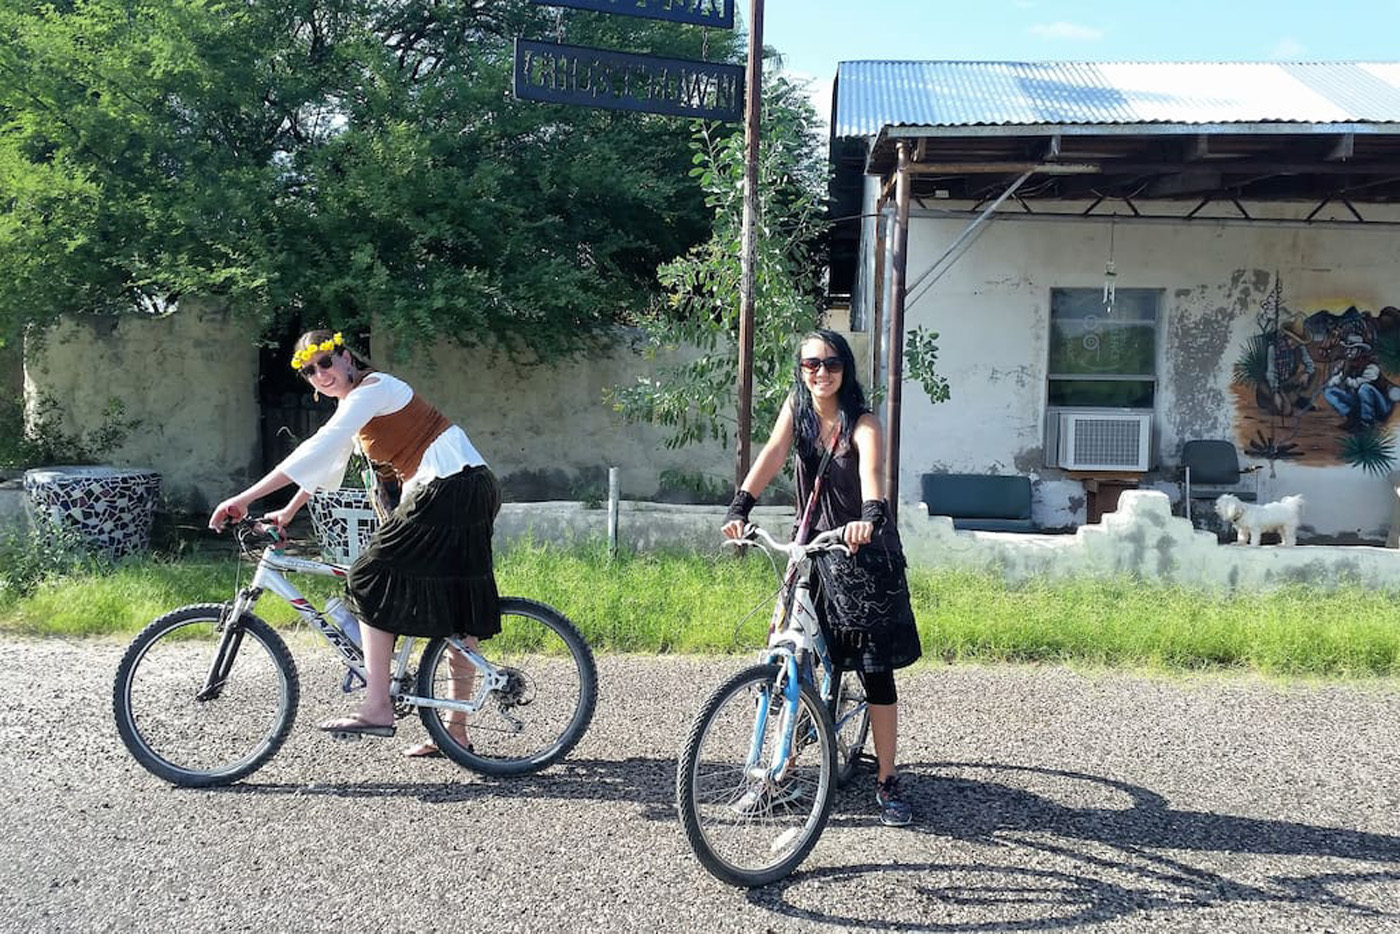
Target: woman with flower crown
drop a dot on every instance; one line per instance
(428, 569)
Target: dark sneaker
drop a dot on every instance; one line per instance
(894, 810)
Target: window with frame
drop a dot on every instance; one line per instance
(1100, 359)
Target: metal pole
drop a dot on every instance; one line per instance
(614, 490)
(899, 255)
(752, 110)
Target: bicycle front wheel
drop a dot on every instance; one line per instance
(850, 716)
(540, 714)
(746, 827)
(197, 706)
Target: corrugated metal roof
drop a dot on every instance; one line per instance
(871, 95)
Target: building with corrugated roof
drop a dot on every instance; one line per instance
(1120, 258)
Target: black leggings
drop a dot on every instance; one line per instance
(879, 687)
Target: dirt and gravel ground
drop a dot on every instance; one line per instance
(1046, 799)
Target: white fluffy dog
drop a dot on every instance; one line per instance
(1252, 521)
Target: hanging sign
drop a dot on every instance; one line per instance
(571, 74)
(717, 13)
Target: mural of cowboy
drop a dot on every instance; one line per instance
(1289, 371)
(1356, 388)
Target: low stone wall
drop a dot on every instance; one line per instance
(1143, 538)
(640, 525)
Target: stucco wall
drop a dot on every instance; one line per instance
(191, 379)
(992, 311)
(546, 430)
(188, 377)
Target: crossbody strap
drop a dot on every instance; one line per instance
(805, 526)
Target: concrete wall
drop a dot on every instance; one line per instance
(546, 430)
(1143, 539)
(992, 311)
(191, 378)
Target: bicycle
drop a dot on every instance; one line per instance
(771, 745)
(206, 694)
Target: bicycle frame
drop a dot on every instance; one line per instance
(269, 576)
(794, 637)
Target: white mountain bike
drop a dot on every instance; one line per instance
(206, 694)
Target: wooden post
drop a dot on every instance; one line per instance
(752, 111)
(614, 507)
(895, 376)
(877, 294)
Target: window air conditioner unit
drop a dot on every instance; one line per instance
(1108, 440)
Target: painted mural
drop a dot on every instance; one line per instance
(1320, 387)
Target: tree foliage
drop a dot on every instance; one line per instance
(697, 398)
(333, 161)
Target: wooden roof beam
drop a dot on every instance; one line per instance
(1344, 148)
(1005, 168)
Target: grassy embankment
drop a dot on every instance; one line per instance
(689, 603)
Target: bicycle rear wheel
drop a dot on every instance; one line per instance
(541, 713)
(745, 828)
(186, 733)
(850, 717)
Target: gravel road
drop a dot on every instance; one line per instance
(1046, 799)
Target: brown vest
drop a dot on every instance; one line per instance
(400, 438)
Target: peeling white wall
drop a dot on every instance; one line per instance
(991, 309)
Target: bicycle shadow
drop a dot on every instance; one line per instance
(1137, 836)
(648, 782)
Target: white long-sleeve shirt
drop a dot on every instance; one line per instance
(319, 462)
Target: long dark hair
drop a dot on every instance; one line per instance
(850, 398)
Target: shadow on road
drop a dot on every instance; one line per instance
(1065, 865)
(1139, 845)
(650, 783)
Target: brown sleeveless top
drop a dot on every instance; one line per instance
(400, 438)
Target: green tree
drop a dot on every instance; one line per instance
(332, 160)
(699, 317)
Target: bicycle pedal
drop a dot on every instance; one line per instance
(345, 737)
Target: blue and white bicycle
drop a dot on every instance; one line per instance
(206, 694)
(770, 745)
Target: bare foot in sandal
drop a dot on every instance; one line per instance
(429, 750)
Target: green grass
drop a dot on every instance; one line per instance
(687, 603)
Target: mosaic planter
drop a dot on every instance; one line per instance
(110, 508)
(343, 521)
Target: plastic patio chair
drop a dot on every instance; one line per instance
(1215, 465)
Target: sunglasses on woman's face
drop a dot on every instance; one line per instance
(813, 364)
(324, 363)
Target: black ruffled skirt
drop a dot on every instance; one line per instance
(428, 569)
(862, 601)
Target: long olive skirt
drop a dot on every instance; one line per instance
(428, 569)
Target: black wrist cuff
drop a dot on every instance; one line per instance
(740, 506)
(874, 511)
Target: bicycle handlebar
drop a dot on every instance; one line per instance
(247, 527)
(755, 537)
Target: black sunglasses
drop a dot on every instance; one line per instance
(324, 363)
(813, 364)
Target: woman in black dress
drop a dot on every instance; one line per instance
(862, 599)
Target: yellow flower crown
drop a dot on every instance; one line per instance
(305, 355)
